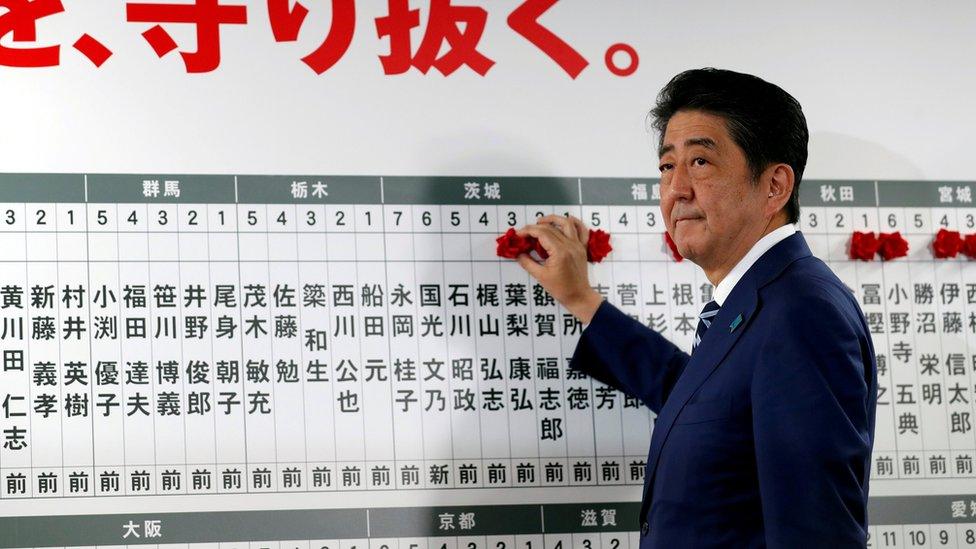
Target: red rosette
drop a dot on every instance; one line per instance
(598, 245)
(864, 246)
(893, 245)
(947, 244)
(510, 244)
(969, 246)
(672, 246)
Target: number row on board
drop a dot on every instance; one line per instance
(378, 218)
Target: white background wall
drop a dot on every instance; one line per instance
(887, 88)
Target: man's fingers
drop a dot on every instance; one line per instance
(568, 225)
(547, 219)
(582, 233)
(563, 223)
(549, 237)
(530, 265)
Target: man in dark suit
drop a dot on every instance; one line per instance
(764, 432)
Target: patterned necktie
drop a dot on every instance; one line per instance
(704, 321)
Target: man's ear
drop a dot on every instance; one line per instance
(780, 180)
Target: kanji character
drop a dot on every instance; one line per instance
(21, 20)
(207, 15)
(442, 24)
(525, 21)
(285, 24)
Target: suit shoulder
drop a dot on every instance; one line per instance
(813, 317)
(809, 286)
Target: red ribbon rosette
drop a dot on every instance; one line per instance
(893, 245)
(969, 246)
(864, 246)
(947, 244)
(672, 246)
(598, 245)
(510, 245)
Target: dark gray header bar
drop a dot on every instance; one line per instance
(318, 524)
(440, 190)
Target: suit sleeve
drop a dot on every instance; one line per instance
(813, 395)
(623, 353)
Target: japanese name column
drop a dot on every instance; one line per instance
(653, 254)
(578, 387)
(486, 225)
(366, 213)
(455, 217)
(163, 194)
(106, 335)
(257, 334)
(408, 432)
(517, 363)
(580, 435)
(345, 333)
(226, 368)
(955, 328)
(961, 394)
(16, 447)
(75, 371)
(547, 326)
(867, 280)
(607, 401)
(112, 380)
(872, 294)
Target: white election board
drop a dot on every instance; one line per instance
(242, 336)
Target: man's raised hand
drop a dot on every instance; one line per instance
(564, 271)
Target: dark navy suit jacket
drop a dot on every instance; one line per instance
(763, 437)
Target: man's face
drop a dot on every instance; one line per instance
(709, 203)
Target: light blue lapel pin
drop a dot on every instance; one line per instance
(735, 323)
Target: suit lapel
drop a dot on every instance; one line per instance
(725, 330)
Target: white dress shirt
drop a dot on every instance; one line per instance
(761, 246)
